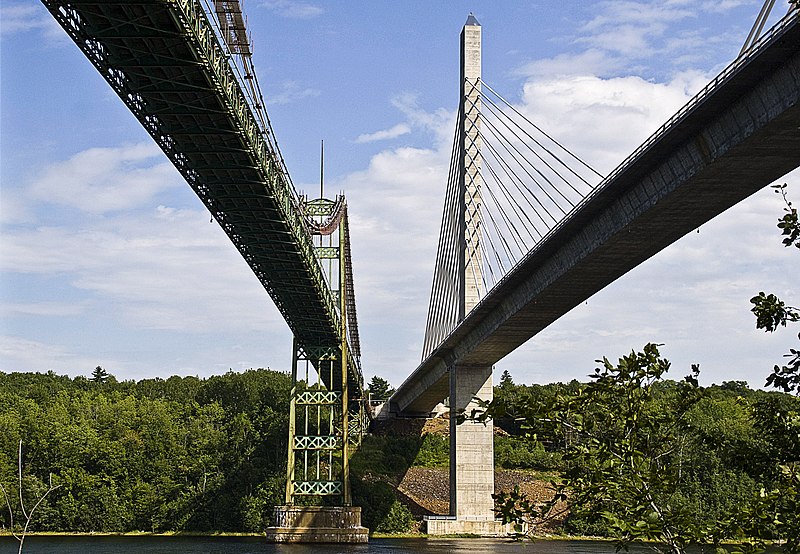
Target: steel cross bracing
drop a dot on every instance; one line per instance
(323, 423)
(165, 62)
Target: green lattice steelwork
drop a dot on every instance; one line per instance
(325, 417)
(165, 62)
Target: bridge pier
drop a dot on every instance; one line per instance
(471, 442)
(471, 445)
(317, 524)
(471, 458)
(326, 418)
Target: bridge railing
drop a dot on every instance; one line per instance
(252, 93)
(767, 38)
(698, 99)
(286, 196)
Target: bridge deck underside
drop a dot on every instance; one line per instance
(162, 60)
(741, 138)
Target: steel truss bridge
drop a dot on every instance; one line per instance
(169, 63)
(173, 64)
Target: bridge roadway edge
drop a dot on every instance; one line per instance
(742, 138)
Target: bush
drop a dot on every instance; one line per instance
(524, 453)
(397, 520)
(377, 500)
(433, 452)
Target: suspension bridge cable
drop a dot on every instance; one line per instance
(504, 144)
(492, 109)
(509, 171)
(509, 223)
(564, 148)
(528, 182)
(518, 212)
(472, 239)
(520, 184)
(485, 229)
(502, 238)
(525, 197)
(443, 291)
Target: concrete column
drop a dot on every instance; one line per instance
(470, 270)
(471, 446)
(471, 443)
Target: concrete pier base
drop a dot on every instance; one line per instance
(471, 446)
(471, 460)
(317, 524)
(449, 525)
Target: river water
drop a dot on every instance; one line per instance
(251, 545)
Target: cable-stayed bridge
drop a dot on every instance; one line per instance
(528, 229)
(733, 138)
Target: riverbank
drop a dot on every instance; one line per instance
(211, 534)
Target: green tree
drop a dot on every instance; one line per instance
(99, 375)
(379, 388)
(623, 457)
(21, 530)
(771, 514)
(771, 312)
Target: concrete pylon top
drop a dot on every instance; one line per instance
(472, 21)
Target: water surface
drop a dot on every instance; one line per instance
(255, 545)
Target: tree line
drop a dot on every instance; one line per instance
(641, 457)
(154, 455)
(190, 454)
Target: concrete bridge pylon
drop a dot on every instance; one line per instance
(471, 442)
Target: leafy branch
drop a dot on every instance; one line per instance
(27, 515)
(788, 224)
(771, 312)
(623, 460)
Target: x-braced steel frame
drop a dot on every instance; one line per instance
(326, 417)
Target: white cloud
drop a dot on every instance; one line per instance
(440, 122)
(395, 209)
(14, 209)
(293, 9)
(721, 6)
(586, 113)
(636, 30)
(291, 91)
(589, 62)
(385, 134)
(101, 180)
(20, 354)
(22, 18)
(49, 309)
(659, 38)
(164, 269)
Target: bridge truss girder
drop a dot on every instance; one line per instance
(165, 62)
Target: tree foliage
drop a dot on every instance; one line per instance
(771, 312)
(379, 388)
(645, 458)
(24, 517)
(158, 455)
(99, 375)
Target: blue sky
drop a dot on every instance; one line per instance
(107, 257)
